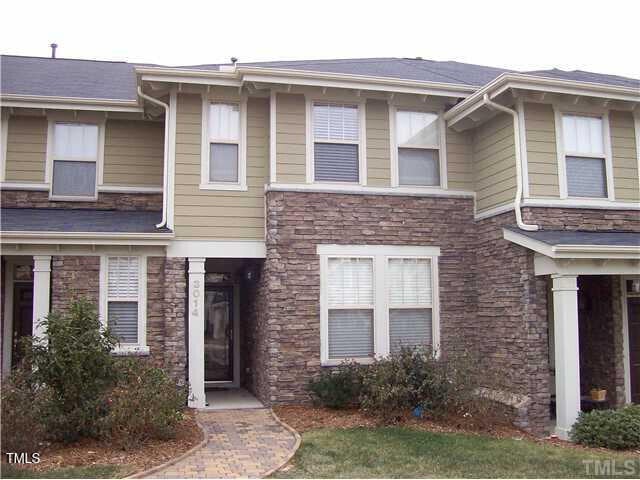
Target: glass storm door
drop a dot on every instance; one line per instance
(218, 334)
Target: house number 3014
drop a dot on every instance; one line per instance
(195, 295)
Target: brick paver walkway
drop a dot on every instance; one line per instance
(241, 443)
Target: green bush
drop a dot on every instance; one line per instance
(616, 429)
(144, 404)
(417, 377)
(76, 366)
(22, 430)
(337, 387)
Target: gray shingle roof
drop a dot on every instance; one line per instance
(57, 220)
(580, 237)
(67, 78)
(581, 76)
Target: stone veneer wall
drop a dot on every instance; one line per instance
(297, 222)
(106, 201)
(582, 219)
(79, 276)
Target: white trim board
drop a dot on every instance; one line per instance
(217, 249)
(365, 190)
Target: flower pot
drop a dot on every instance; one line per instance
(598, 395)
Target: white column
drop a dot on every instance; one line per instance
(565, 311)
(41, 291)
(196, 333)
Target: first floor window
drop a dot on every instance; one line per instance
(377, 304)
(75, 159)
(584, 156)
(123, 298)
(418, 148)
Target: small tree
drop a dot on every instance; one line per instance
(74, 363)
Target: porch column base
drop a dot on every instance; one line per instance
(197, 397)
(565, 310)
(41, 292)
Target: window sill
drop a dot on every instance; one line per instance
(334, 362)
(72, 198)
(223, 186)
(131, 351)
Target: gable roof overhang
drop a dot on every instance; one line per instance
(470, 107)
(241, 75)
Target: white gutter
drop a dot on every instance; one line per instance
(155, 101)
(516, 132)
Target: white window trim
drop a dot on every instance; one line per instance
(205, 184)
(442, 149)
(50, 157)
(310, 140)
(141, 347)
(380, 255)
(562, 155)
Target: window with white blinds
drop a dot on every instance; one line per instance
(410, 300)
(375, 300)
(417, 148)
(123, 295)
(224, 142)
(585, 158)
(74, 160)
(351, 312)
(336, 139)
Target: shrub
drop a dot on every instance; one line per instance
(22, 429)
(338, 387)
(144, 404)
(616, 429)
(76, 366)
(417, 377)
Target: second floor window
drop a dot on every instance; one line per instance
(224, 142)
(418, 148)
(336, 142)
(75, 160)
(584, 156)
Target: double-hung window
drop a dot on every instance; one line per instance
(224, 163)
(74, 162)
(124, 299)
(375, 300)
(336, 145)
(584, 155)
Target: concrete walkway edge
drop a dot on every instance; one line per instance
(293, 450)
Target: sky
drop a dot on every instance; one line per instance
(598, 36)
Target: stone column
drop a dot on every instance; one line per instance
(567, 352)
(196, 333)
(41, 292)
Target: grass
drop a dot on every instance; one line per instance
(396, 452)
(94, 471)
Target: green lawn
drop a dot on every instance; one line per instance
(400, 452)
(96, 471)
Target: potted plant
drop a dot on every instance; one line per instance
(598, 394)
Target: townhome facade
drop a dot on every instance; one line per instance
(250, 224)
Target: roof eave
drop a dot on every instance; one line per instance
(85, 238)
(69, 103)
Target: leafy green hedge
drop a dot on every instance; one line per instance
(616, 429)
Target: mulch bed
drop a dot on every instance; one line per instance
(306, 417)
(87, 452)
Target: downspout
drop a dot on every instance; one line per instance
(516, 131)
(155, 101)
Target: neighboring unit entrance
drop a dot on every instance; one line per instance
(22, 318)
(218, 334)
(633, 309)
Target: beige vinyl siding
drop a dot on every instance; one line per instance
(290, 139)
(459, 160)
(230, 215)
(378, 144)
(26, 149)
(133, 153)
(542, 159)
(625, 158)
(494, 163)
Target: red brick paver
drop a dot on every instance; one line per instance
(240, 444)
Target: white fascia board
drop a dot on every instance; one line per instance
(540, 84)
(70, 103)
(544, 265)
(217, 249)
(603, 252)
(373, 250)
(82, 238)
